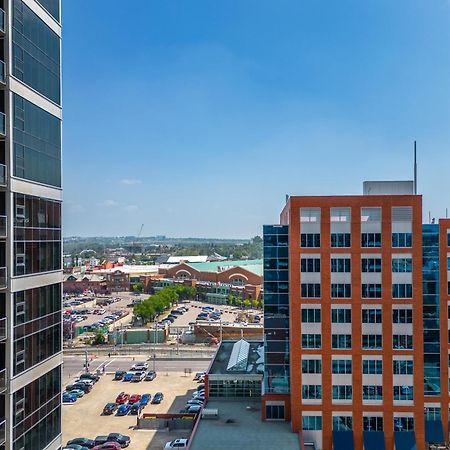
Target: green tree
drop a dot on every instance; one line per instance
(99, 337)
(138, 287)
(246, 303)
(255, 303)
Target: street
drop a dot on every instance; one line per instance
(73, 365)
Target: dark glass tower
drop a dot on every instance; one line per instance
(30, 225)
(276, 314)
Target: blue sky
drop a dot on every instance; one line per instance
(195, 118)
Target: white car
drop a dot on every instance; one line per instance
(141, 366)
(176, 443)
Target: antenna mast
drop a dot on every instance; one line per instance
(415, 168)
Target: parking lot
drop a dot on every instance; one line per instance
(230, 313)
(84, 417)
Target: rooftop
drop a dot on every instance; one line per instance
(246, 357)
(240, 426)
(252, 265)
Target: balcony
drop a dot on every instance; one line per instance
(3, 382)
(2, 22)
(2, 124)
(2, 72)
(3, 330)
(2, 175)
(3, 278)
(3, 229)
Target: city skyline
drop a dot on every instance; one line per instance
(194, 111)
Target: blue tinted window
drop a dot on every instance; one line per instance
(36, 53)
(37, 143)
(52, 6)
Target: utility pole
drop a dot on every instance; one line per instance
(178, 349)
(86, 363)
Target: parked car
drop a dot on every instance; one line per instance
(124, 409)
(75, 447)
(194, 409)
(84, 387)
(123, 440)
(136, 408)
(158, 398)
(108, 446)
(78, 392)
(151, 375)
(194, 402)
(69, 398)
(134, 398)
(138, 376)
(89, 443)
(176, 312)
(128, 376)
(140, 366)
(199, 375)
(119, 375)
(122, 398)
(90, 376)
(176, 443)
(99, 440)
(145, 399)
(85, 381)
(110, 408)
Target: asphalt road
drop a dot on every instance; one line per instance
(73, 365)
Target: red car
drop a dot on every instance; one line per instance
(122, 398)
(134, 398)
(108, 446)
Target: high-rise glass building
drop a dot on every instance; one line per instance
(30, 225)
(357, 321)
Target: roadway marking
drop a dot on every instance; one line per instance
(103, 364)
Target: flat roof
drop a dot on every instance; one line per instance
(240, 426)
(252, 265)
(254, 363)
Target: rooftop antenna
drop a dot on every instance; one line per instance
(415, 168)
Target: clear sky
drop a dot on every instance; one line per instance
(196, 117)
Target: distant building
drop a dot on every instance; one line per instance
(79, 283)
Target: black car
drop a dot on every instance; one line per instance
(84, 442)
(84, 387)
(90, 376)
(119, 375)
(100, 440)
(151, 375)
(110, 408)
(123, 440)
(158, 398)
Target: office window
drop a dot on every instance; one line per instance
(342, 423)
(52, 6)
(341, 290)
(311, 315)
(402, 290)
(401, 240)
(342, 265)
(311, 391)
(371, 316)
(372, 366)
(370, 240)
(310, 240)
(432, 413)
(341, 315)
(371, 290)
(402, 367)
(310, 290)
(402, 316)
(372, 392)
(403, 393)
(401, 265)
(372, 341)
(403, 423)
(311, 366)
(311, 340)
(372, 423)
(341, 240)
(402, 342)
(311, 423)
(310, 265)
(342, 392)
(371, 265)
(341, 366)
(342, 341)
